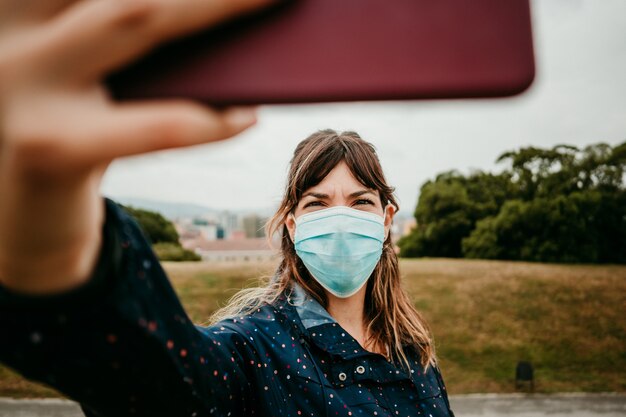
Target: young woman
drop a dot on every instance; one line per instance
(84, 304)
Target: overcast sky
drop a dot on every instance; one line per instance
(578, 97)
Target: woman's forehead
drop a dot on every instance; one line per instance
(340, 180)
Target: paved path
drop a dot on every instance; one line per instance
(537, 405)
(475, 405)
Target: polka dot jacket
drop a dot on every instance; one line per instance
(122, 345)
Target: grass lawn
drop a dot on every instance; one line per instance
(568, 320)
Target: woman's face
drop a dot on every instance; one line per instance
(340, 188)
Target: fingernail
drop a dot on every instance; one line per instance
(241, 116)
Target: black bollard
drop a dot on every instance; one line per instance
(524, 376)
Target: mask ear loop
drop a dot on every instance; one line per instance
(385, 209)
(293, 216)
(389, 203)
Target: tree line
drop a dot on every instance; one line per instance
(162, 234)
(562, 204)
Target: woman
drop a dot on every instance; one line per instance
(84, 304)
(332, 333)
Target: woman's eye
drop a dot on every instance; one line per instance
(312, 204)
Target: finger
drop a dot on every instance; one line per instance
(20, 12)
(139, 128)
(97, 36)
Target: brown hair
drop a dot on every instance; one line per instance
(392, 321)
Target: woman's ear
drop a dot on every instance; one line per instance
(390, 211)
(290, 222)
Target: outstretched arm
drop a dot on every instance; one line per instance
(121, 344)
(115, 339)
(59, 129)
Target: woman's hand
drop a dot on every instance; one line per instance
(59, 129)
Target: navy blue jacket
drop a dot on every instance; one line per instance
(122, 345)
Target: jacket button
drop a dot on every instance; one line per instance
(360, 369)
(342, 376)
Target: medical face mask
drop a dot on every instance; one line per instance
(340, 246)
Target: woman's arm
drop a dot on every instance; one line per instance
(59, 129)
(116, 340)
(121, 344)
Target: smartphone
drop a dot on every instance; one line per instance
(344, 50)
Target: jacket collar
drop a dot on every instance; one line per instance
(310, 312)
(317, 326)
(313, 324)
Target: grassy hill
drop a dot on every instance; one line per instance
(568, 320)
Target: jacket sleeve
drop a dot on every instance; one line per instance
(122, 344)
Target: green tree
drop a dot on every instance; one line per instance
(448, 209)
(162, 234)
(155, 226)
(168, 251)
(565, 169)
(562, 204)
(586, 226)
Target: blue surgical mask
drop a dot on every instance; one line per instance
(340, 246)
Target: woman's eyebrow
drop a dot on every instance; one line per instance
(316, 195)
(360, 193)
(325, 196)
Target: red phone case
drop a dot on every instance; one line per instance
(337, 50)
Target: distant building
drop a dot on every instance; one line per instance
(237, 235)
(208, 229)
(191, 228)
(230, 222)
(232, 250)
(253, 226)
(402, 227)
